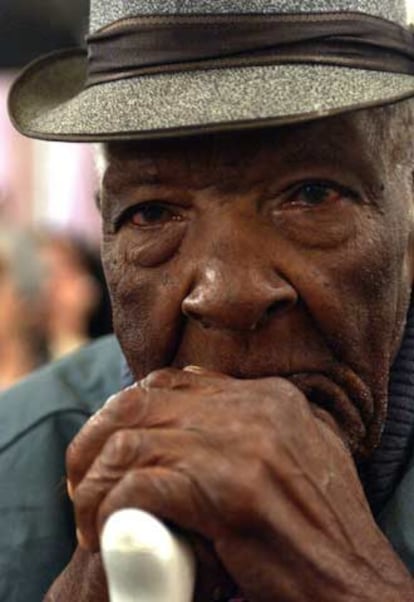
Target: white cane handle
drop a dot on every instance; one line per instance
(144, 561)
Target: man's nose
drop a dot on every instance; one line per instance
(237, 296)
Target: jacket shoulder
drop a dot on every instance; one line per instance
(79, 383)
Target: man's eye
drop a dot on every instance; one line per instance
(314, 194)
(152, 214)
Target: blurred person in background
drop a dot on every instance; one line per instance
(22, 337)
(77, 307)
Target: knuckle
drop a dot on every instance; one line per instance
(244, 498)
(121, 449)
(160, 379)
(281, 400)
(134, 480)
(127, 408)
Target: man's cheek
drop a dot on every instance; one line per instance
(111, 259)
(146, 306)
(133, 326)
(127, 282)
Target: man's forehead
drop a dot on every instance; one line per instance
(343, 138)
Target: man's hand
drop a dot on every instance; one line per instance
(247, 466)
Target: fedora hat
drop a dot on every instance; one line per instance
(158, 68)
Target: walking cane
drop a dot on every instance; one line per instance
(144, 561)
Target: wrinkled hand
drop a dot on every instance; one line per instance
(248, 466)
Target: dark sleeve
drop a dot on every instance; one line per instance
(38, 419)
(397, 518)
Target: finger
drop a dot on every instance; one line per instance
(123, 410)
(118, 454)
(169, 496)
(163, 492)
(127, 451)
(159, 400)
(133, 408)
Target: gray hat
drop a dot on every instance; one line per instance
(157, 68)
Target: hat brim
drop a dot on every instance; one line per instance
(48, 101)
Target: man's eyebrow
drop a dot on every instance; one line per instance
(117, 181)
(142, 178)
(314, 150)
(331, 153)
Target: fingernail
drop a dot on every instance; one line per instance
(195, 369)
(81, 539)
(70, 489)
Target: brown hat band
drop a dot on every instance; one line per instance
(164, 44)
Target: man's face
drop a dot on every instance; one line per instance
(280, 252)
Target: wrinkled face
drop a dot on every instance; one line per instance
(280, 252)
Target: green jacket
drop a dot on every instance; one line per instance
(38, 418)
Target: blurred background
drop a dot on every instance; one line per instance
(52, 292)
(42, 182)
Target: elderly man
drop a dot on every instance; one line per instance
(257, 201)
